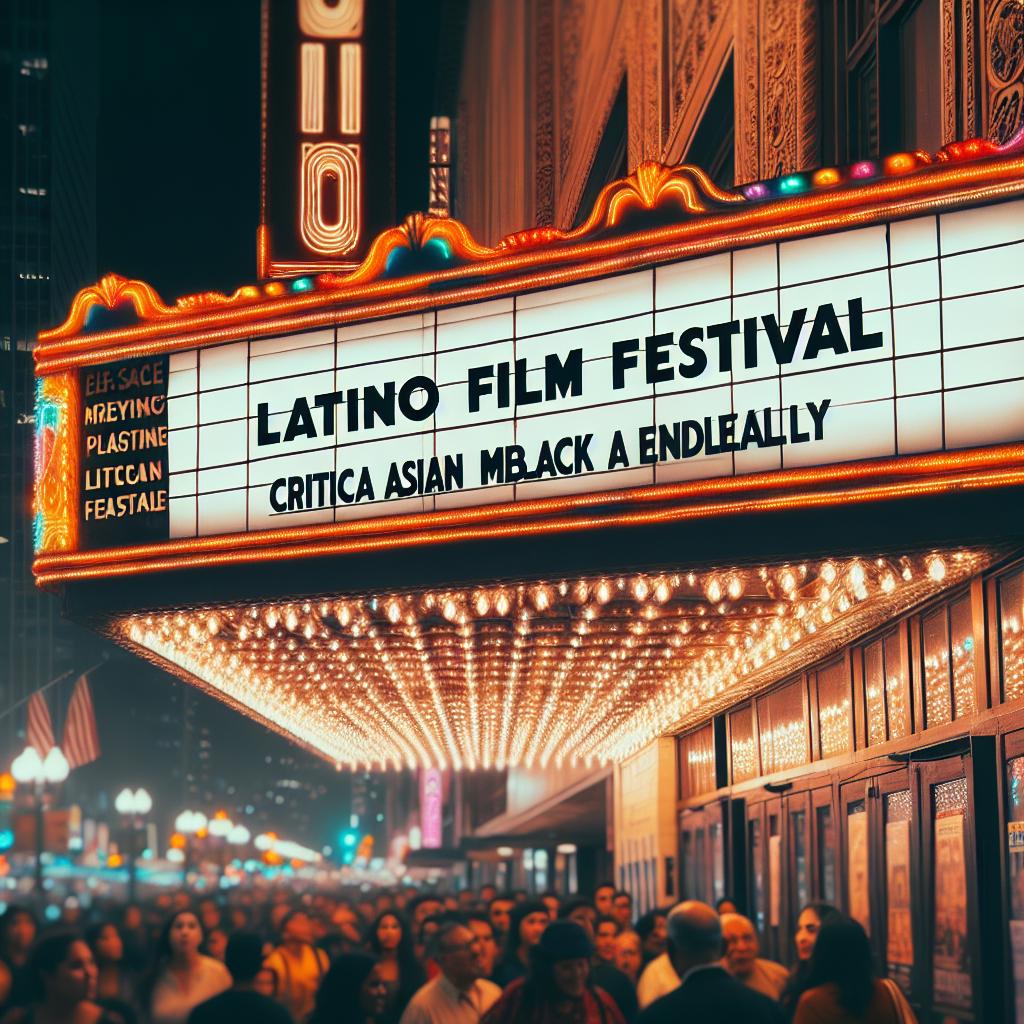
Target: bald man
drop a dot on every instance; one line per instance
(741, 947)
(707, 993)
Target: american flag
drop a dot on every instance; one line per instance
(81, 739)
(39, 732)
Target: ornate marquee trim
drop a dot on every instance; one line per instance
(425, 251)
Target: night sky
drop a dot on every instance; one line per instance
(178, 147)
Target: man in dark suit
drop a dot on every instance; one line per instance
(708, 993)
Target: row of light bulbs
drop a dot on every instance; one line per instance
(553, 672)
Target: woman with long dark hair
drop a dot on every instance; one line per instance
(557, 989)
(182, 977)
(808, 924)
(526, 925)
(390, 941)
(63, 975)
(18, 929)
(352, 992)
(842, 986)
(115, 984)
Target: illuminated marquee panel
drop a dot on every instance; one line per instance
(553, 672)
(882, 341)
(323, 129)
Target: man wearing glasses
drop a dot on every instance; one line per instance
(460, 994)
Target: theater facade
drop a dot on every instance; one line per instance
(706, 512)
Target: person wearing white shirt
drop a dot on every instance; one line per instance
(460, 994)
(658, 979)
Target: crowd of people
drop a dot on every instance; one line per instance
(413, 957)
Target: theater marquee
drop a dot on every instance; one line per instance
(682, 334)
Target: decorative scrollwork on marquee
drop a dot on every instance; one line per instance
(654, 194)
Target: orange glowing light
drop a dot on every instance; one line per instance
(56, 486)
(900, 163)
(7, 786)
(531, 672)
(178, 841)
(519, 264)
(826, 176)
(814, 487)
(115, 860)
(330, 165)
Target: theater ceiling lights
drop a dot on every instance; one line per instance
(562, 671)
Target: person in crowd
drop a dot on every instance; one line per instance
(460, 994)
(808, 924)
(423, 944)
(216, 944)
(657, 976)
(499, 912)
(391, 942)
(352, 992)
(629, 955)
(487, 893)
(552, 902)
(741, 947)
(481, 928)
(297, 964)
(520, 895)
(63, 985)
(526, 925)
(622, 908)
(383, 901)
(726, 906)
(135, 938)
(604, 896)
(465, 901)
(707, 994)
(17, 934)
(115, 985)
(606, 931)
(842, 986)
(420, 909)
(346, 921)
(602, 973)
(182, 977)
(557, 988)
(238, 919)
(580, 911)
(276, 916)
(249, 1000)
(651, 929)
(209, 915)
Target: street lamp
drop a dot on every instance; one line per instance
(29, 768)
(189, 823)
(133, 807)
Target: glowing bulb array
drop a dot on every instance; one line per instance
(551, 672)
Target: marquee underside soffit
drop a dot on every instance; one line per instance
(549, 672)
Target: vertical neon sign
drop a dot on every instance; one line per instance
(431, 799)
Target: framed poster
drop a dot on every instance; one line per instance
(858, 880)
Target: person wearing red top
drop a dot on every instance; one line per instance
(557, 989)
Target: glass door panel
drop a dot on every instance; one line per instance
(951, 957)
(897, 811)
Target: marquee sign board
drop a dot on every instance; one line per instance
(881, 341)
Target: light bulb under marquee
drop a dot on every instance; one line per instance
(535, 674)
